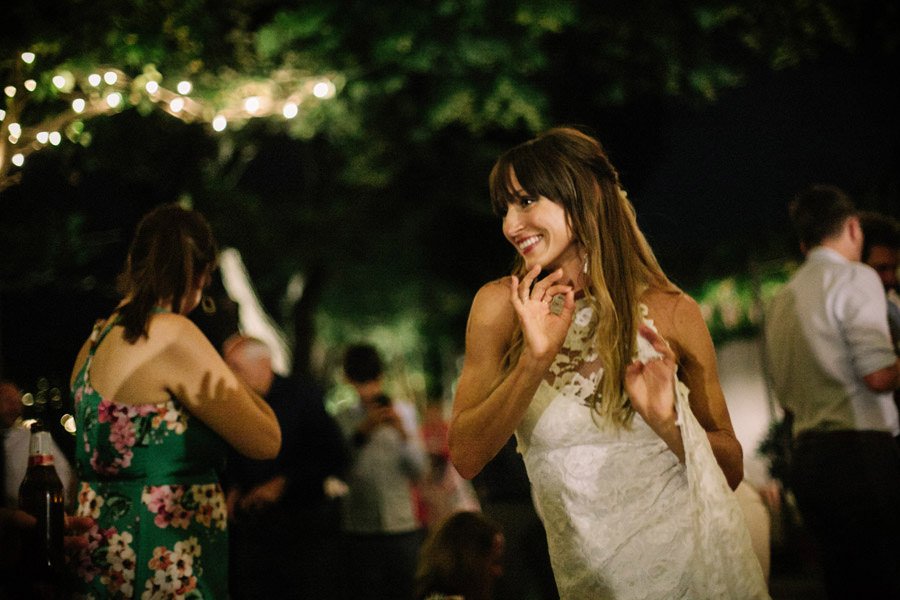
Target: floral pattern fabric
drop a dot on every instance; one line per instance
(149, 480)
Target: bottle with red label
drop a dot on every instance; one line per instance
(41, 496)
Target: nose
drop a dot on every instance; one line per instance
(512, 224)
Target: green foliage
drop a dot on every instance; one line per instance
(734, 306)
(384, 184)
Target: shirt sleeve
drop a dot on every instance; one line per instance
(864, 322)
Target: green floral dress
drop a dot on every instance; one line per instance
(148, 477)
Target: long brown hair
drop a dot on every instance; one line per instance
(571, 169)
(173, 247)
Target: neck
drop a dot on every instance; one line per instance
(161, 305)
(573, 267)
(843, 246)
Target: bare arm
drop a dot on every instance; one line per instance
(486, 409)
(197, 375)
(175, 358)
(884, 380)
(690, 338)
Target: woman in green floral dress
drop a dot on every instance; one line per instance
(155, 406)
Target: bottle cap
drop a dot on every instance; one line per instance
(41, 445)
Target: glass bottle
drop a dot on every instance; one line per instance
(41, 496)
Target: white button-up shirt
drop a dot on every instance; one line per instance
(825, 330)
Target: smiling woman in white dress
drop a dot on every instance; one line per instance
(605, 372)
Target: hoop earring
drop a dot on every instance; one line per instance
(208, 305)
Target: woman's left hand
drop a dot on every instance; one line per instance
(651, 385)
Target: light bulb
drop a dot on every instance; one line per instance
(10, 90)
(114, 99)
(176, 104)
(323, 89)
(252, 104)
(18, 159)
(290, 110)
(59, 81)
(152, 87)
(78, 105)
(110, 77)
(28, 57)
(94, 79)
(42, 137)
(30, 85)
(184, 87)
(55, 138)
(219, 123)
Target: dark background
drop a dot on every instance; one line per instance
(382, 204)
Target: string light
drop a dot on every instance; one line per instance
(105, 89)
(323, 89)
(252, 105)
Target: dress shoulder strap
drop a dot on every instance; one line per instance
(101, 330)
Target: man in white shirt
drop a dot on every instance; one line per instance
(834, 371)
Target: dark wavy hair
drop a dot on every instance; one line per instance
(173, 247)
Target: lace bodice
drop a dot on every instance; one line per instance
(622, 514)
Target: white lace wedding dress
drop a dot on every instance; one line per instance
(624, 518)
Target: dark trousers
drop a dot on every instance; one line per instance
(380, 566)
(847, 485)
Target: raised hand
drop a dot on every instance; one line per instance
(651, 384)
(543, 327)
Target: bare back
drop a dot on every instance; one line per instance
(176, 360)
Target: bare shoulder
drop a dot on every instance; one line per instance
(491, 305)
(677, 316)
(492, 321)
(171, 328)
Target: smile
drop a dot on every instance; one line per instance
(528, 243)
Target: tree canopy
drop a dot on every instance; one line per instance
(379, 190)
